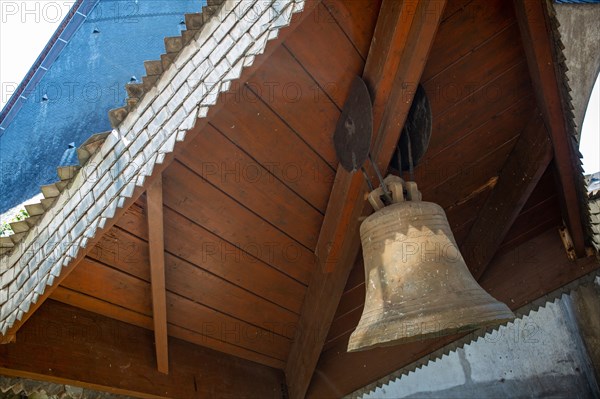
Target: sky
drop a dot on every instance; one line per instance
(26, 27)
(589, 145)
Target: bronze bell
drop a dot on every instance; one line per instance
(417, 283)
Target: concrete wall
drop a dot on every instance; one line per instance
(586, 302)
(580, 33)
(540, 355)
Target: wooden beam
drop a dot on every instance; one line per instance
(66, 345)
(158, 169)
(399, 50)
(519, 176)
(536, 32)
(156, 247)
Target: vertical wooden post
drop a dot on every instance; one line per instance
(157, 273)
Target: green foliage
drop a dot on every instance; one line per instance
(5, 229)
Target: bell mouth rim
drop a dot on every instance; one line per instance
(354, 347)
(472, 320)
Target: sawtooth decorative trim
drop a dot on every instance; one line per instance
(525, 311)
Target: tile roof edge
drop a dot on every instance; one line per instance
(227, 43)
(30, 387)
(194, 23)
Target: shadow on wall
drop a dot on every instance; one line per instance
(543, 386)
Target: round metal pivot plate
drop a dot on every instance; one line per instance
(352, 137)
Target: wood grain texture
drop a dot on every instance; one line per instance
(213, 157)
(532, 222)
(97, 280)
(286, 87)
(523, 169)
(207, 252)
(460, 80)
(70, 346)
(264, 344)
(474, 22)
(464, 154)
(250, 124)
(471, 178)
(474, 111)
(104, 308)
(325, 51)
(198, 284)
(357, 19)
(198, 200)
(156, 247)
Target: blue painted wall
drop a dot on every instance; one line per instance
(81, 86)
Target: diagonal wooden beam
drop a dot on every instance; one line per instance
(399, 50)
(156, 245)
(535, 26)
(519, 176)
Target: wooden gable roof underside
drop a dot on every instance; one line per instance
(225, 150)
(129, 153)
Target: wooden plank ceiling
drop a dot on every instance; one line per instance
(244, 202)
